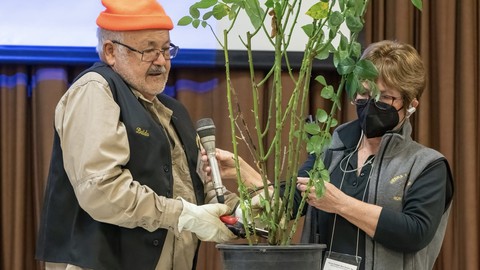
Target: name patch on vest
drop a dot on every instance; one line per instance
(397, 182)
(142, 132)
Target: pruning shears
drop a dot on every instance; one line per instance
(236, 227)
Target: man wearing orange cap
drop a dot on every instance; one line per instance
(123, 191)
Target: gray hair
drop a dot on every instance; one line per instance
(104, 35)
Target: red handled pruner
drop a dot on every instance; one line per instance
(237, 228)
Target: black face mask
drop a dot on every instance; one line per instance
(376, 118)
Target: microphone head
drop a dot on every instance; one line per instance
(206, 132)
(205, 127)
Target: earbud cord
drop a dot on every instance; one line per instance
(363, 199)
(344, 170)
(340, 187)
(358, 229)
(335, 217)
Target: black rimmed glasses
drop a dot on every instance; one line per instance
(383, 102)
(151, 55)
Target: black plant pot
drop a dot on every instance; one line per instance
(263, 256)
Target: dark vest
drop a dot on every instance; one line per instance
(68, 234)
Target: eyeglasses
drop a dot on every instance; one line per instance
(382, 103)
(151, 55)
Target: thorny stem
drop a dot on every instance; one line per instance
(234, 138)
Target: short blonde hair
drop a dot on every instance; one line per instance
(399, 66)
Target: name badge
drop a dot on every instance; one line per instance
(339, 261)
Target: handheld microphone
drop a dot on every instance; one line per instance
(206, 132)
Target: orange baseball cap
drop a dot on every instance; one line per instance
(125, 15)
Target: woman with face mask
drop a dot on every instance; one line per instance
(389, 197)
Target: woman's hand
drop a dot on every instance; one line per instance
(330, 202)
(361, 214)
(226, 166)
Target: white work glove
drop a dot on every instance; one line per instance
(204, 221)
(257, 205)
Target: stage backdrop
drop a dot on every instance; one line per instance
(59, 31)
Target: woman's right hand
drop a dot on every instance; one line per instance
(226, 166)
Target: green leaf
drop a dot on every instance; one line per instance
(352, 85)
(327, 137)
(308, 29)
(351, 3)
(356, 49)
(325, 175)
(314, 144)
(334, 122)
(365, 69)
(236, 7)
(204, 4)
(346, 66)
(220, 11)
(343, 55)
(231, 14)
(319, 166)
(269, 3)
(277, 7)
(204, 24)
(207, 15)
(332, 33)
(321, 116)
(319, 188)
(418, 4)
(358, 7)
(185, 20)
(328, 92)
(297, 133)
(336, 58)
(254, 12)
(354, 24)
(343, 46)
(318, 11)
(196, 23)
(310, 145)
(323, 54)
(194, 12)
(341, 4)
(312, 128)
(336, 19)
(314, 174)
(321, 80)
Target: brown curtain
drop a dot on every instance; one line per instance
(16, 210)
(446, 34)
(27, 99)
